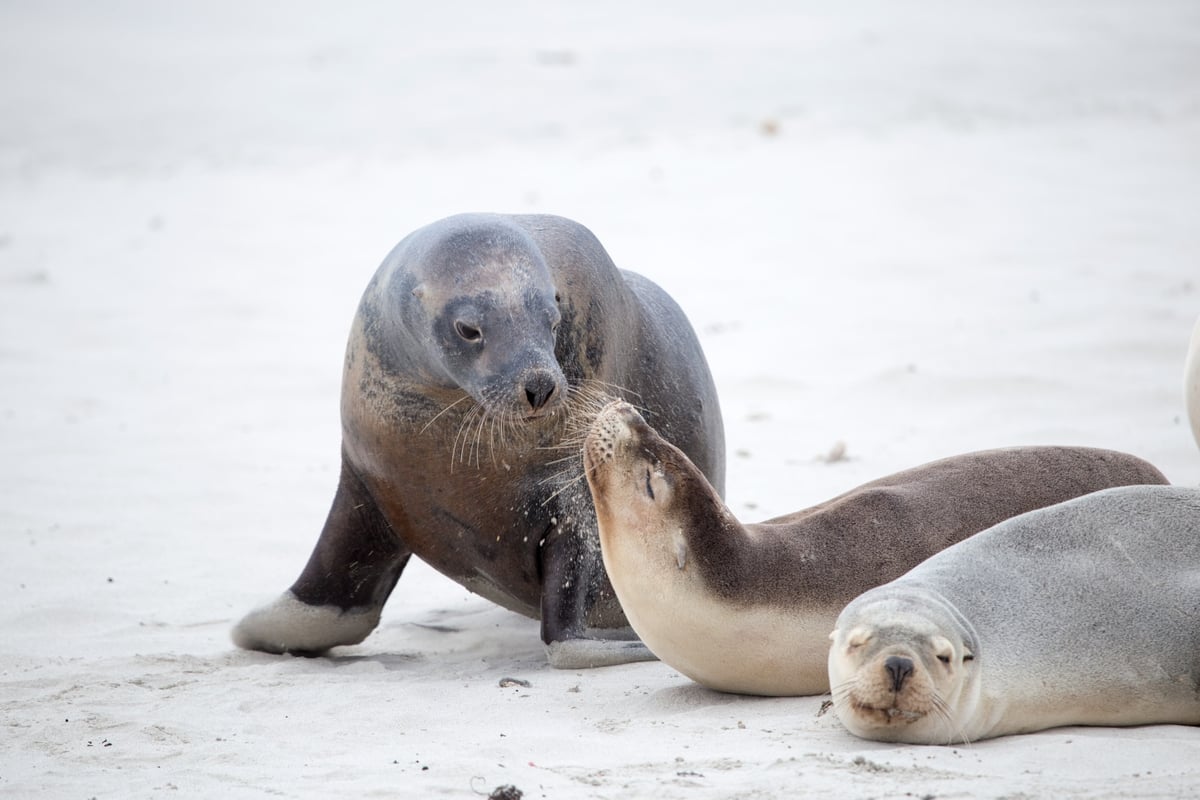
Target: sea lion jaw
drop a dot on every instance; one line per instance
(899, 681)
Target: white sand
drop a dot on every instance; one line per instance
(917, 229)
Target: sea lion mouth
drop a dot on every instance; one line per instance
(886, 714)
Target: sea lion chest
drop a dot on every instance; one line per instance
(473, 499)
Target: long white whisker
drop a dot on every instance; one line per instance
(582, 474)
(942, 709)
(477, 443)
(575, 454)
(443, 411)
(457, 452)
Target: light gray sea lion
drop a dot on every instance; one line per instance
(466, 361)
(748, 608)
(1084, 613)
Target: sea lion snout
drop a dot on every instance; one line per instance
(527, 385)
(898, 669)
(621, 416)
(539, 388)
(608, 428)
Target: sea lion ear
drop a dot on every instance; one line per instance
(942, 648)
(680, 552)
(418, 291)
(833, 635)
(858, 637)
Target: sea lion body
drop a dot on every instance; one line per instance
(1084, 613)
(748, 608)
(470, 348)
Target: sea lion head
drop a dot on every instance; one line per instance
(481, 311)
(903, 669)
(635, 478)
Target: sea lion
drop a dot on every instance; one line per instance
(748, 608)
(1084, 613)
(467, 359)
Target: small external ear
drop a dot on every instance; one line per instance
(942, 649)
(833, 635)
(680, 552)
(418, 291)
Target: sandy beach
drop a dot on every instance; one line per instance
(901, 231)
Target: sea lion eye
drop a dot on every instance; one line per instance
(468, 332)
(649, 488)
(942, 657)
(968, 656)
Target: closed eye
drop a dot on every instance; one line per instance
(944, 659)
(649, 488)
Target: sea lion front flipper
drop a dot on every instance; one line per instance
(572, 574)
(338, 598)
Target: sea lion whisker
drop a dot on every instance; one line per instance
(458, 449)
(582, 474)
(477, 441)
(573, 441)
(622, 391)
(941, 709)
(457, 436)
(443, 411)
(593, 393)
(843, 690)
(501, 431)
(498, 424)
(558, 476)
(564, 445)
(490, 421)
(573, 457)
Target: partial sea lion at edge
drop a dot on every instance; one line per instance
(1083, 613)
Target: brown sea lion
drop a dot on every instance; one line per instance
(470, 348)
(748, 608)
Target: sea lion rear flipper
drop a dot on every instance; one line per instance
(340, 594)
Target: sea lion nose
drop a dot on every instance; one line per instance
(539, 388)
(899, 669)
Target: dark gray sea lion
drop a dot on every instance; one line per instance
(1084, 613)
(748, 608)
(475, 347)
